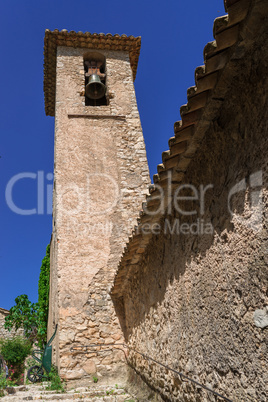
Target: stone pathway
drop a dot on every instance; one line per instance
(93, 393)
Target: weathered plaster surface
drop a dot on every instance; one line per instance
(101, 177)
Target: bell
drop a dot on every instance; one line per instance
(95, 89)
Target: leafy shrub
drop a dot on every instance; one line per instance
(15, 351)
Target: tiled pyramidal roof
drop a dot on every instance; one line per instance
(86, 40)
(204, 102)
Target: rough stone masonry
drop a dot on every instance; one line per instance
(100, 180)
(195, 300)
(5, 333)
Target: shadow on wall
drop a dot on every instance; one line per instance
(190, 301)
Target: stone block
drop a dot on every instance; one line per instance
(90, 367)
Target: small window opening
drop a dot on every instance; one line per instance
(95, 81)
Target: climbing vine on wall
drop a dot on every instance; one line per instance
(43, 297)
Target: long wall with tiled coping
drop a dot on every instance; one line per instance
(195, 298)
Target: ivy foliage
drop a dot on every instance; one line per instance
(43, 298)
(23, 315)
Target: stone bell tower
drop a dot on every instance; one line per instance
(100, 180)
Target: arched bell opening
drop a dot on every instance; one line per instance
(95, 79)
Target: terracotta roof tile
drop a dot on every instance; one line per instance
(56, 38)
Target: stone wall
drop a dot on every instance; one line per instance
(190, 302)
(100, 180)
(4, 333)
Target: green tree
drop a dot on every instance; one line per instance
(43, 298)
(23, 315)
(32, 317)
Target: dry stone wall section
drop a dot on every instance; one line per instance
(193, 300)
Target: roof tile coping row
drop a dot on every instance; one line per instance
(56, 38)
(188, 133)
(4, 311)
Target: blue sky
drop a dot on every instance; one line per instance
(173, 33)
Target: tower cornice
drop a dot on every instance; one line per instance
(86, 40)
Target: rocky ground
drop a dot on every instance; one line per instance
(91, 394)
